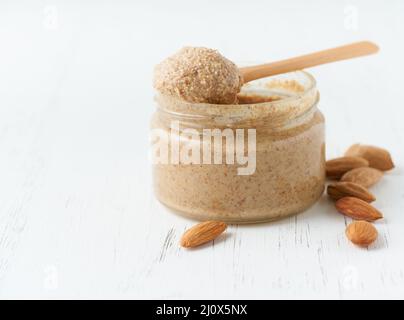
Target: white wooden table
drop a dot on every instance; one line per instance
(78, 218)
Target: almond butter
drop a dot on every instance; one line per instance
(357, 209)
(201, 233)
(361, 233)
(335, 168)
(365, 176)
(339, 190)
(378, 158)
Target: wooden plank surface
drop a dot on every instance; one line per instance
(78, 218)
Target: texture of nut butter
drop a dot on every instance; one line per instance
(198, 74)
(289, 175)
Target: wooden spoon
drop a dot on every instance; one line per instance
(349, 51)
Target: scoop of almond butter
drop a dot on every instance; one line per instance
(197, 74)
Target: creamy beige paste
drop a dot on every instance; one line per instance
(289, 175)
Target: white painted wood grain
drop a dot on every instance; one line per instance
(78, 218)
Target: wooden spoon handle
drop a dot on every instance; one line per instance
(349, 51)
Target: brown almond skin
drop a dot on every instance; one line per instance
(358, 209)
(340, 190)
(201, 233)
(378, 158)
(365, 176)
(335, 168)
(361, 233)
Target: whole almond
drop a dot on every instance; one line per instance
(378, 158)
(357, 209)
(339, 190)
(335, 168)
(201, 233)
(361, 233)
(365, 176)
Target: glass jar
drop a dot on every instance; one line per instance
(259, 160)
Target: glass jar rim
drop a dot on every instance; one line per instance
(278, 110)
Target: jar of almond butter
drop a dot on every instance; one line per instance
(258, 160)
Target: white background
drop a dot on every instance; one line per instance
(78, 218)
